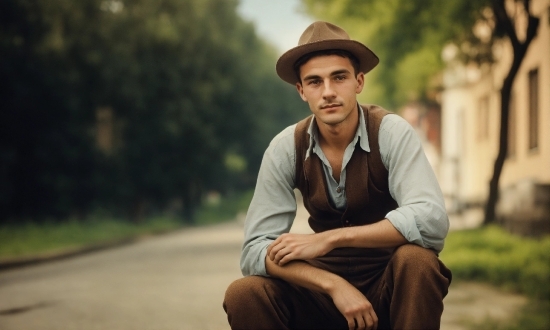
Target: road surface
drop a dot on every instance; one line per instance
(172, 281)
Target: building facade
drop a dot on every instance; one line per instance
(470, 132)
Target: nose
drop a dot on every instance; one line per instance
(328, 90)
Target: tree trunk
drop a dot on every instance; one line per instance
(520, 49)
(503, 143)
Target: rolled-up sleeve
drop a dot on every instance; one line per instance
(273, 206)
(421, 216)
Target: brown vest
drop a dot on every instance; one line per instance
(368, 201)
(367, 192)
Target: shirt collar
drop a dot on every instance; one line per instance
(360, 134)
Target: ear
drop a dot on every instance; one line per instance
(360, 82)
(300, 89)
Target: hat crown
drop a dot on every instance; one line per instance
(321, 36)
(319, 31)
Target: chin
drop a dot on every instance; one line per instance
(331, 120)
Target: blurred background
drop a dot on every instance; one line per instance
(123, 119)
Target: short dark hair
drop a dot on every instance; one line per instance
(327, 52)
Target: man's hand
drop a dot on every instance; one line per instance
(354, 306)
(288, 247)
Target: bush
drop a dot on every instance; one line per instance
(226, 209)
(519, 264)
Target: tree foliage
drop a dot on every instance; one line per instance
(188, 83)
(408, 36)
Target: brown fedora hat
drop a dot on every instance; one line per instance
(323, 36)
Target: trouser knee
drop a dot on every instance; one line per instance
(250, 293)
(237, 293)
(417, 281)
(418, 264)
(252, 302)
(414, 257)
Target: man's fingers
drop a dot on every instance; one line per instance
(360, 321)
(278, 256)
(278, 253)
(365, 320)
(371, 320)
(374, 319)
(273, 249)
(286, 259)
(351, 323)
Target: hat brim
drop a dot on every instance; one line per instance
(285, 65)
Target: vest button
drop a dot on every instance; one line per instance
(338, 190)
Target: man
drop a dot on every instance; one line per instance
(374, 203)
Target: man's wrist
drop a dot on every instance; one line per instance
(337, 238)
(333, 284)
(331, 238)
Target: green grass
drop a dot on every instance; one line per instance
(35, 239)
(31, 239)
(226, 209)
(513, 263)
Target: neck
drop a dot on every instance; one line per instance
(340, 135)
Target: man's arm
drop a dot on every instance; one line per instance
(285, 255)
(273, 207)
(353, 305)
(421, 216)
(288, 247)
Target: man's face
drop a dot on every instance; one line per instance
(330, 87)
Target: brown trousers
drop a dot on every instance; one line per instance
(406, 293)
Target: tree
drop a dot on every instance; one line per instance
(47, 157)
(410, 34)
(187, 85)
(504, 25)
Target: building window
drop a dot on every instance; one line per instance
(512, 133)
(483, 118)
(533, 109)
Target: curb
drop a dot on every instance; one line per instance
(65, 254)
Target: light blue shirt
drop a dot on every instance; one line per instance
(420, 216)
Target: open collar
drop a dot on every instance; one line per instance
(360, 135)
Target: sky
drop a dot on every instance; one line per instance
(278, 21)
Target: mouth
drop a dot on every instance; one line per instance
(330, 106)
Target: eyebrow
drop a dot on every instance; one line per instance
(334, 73)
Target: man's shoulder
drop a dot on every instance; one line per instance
(393, 121)
(395, 135)
(284, 139)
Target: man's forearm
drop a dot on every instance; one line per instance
(288, 247)
(349, 301)
(381, 234)
(303, 274)
(377, 235)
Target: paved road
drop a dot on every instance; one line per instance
(174, 281)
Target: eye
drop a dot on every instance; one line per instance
(314, 82)
(339, 77)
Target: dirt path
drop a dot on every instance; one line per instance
(475, 302)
